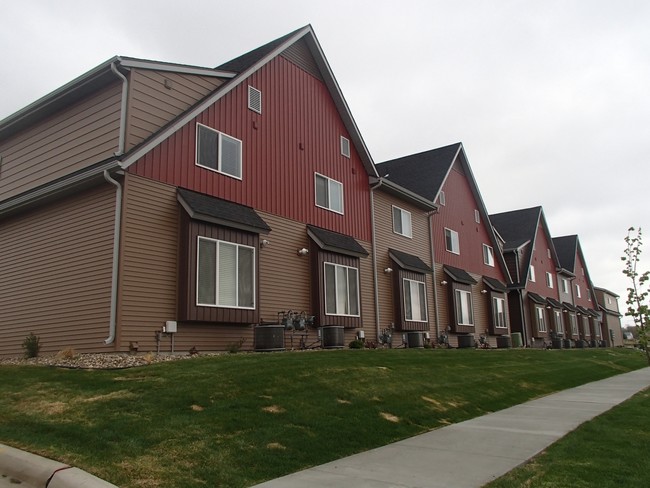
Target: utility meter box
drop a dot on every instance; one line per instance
(170, 327)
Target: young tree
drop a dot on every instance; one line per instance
(638, 292)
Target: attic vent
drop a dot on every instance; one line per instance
(254, 100)
(345, 147)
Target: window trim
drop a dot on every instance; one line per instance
(565, 286)
(531, 273)
(410, 220)
(578, 294)
(345, 147)
(559, 325)
(573, 322)
(490, 261)
(329, 181)
(253, 90)
(358, 297)
(220, 136)
(253, 274)
(458, 292)
(426, 307)
(477, 216)
(495, 311)
(549, 280)
(452, 233)
(541, 320)
(442, 200)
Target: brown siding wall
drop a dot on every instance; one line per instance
(55, 274)
(152, 104)
(83, 133)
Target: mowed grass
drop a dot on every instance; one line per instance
(236, 420)
(610, 451)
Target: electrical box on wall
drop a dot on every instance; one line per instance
(170, 327)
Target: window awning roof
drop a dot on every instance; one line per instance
(459, 275)
(335, 242)
(554, 303)
(221, 212)
(583, 310)
(569, 307)
(409, 262)
(540, 300)
(494, 284)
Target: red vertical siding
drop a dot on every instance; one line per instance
(297, 134)
(458, 215)
(582, 280)
(543, 264)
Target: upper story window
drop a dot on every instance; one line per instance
(578, 294)
(464, 313)
(225, 274)
(415, 301)
(548, 253)
(477, 216)
(589, 295)
(402, 222)
(488, 255)
(442, 199)
(345, 147)
(451, 241)
(341, 290)
(531, 273)
(565, 285)
(609, 300)
(549, 280)
(219, 152)
(254, 99)
(329, 193)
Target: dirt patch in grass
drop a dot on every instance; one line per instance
(275, 445)
(109, 396)
(197, 408)
(274, 409)
(343, 402)
(389, 416)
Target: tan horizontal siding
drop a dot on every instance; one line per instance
(55, 274)
(82, 134)
(152, 105)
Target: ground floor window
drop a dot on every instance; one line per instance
(559, 326)
(464, 312)
(415, 301)
(541, 322)
(341, 290)
(498, 313)
(574, 325)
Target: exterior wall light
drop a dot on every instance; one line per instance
(303, 252)
(388, 270)
(483, 292)
(443, 282)
(264, 242)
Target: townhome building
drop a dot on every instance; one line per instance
(152, 206)
(584, 299)
(611, 330)
(470, 276)
(536, 309)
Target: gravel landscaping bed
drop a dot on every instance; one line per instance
(95, 361)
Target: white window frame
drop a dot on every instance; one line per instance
(219, 163)
(574, 324)
(459, 307)
(578, 294)
(477, 216)
(499, 313)
(404, 215)
(558, 322)
(565, 286)
(488, 255)
(541, 320)
(455, 242)
(216, 303)
(253, 95)
(609, 300)
(339, 306)
(330, 182)
(442, 200)
(415, 298)
(549, 279)
(345, 146)
(531, 273)
(548, 253)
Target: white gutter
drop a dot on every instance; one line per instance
(116, 257)
(125, 92)
(374, 254)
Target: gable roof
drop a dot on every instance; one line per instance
(566, 248)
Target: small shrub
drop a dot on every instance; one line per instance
(235, 347)
(149, 357)
(356, 344)
(32, 345)
(67, 353)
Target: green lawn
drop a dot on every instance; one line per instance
(235, 420)
(610, 451)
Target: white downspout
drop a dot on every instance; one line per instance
(435, 281)
(374, 254)
(116, 257)
(125, 91)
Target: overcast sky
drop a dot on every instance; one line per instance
(551, 99)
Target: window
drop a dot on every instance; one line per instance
(345, 147)
(341, 290)
(329, 193)
(441, 199)
(225, 274)
(578, 294)
(565, 285)
(477, 217)
(531, 273)
(541, 324)
(574, 325)
(464, 314)
(488, 255)
(254, 99)
(499, 314)
(218, 151)
(589, 295)
(548, 253)
(558, 322)
(451, 241)
(415, 301)
(609, 300)
(402, 222)
(549, 280)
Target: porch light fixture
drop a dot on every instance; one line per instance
(264, 242)
(483, 292)
(388, 270)
(443, 282)
(303, 252)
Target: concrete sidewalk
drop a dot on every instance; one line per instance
(473, 453)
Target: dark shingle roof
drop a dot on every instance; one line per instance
(566, 248)
(537, 298)
(221, 212)
(517, 226)
(570, 307)
(459, 275)
(494, 284)
(422, 173)
(335, 242)
(554, 303)
(583, 310)
(409, 262)
(247, 60)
